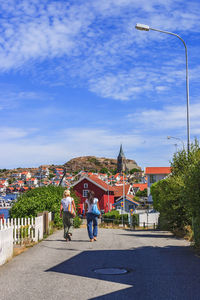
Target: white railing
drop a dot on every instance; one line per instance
(6, 243)
(20, 231)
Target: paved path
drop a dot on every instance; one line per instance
(160, 267)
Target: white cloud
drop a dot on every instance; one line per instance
(168, 118)
(94, 41)
(10, 98)
(10, 133)
(20, 147)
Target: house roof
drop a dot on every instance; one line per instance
(141, 186)
(158, 170)
(128, 198)
(102, 183)
(93, 178)
(118, 190)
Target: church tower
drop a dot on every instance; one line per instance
(120, 161)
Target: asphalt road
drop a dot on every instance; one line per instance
(159, 267)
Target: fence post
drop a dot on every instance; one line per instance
(46, 222)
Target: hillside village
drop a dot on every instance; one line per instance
(116, 182)
(23, 180)
(108, 170)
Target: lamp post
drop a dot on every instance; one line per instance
(172, 137)
(144, 27)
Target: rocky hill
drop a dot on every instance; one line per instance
(96, 164)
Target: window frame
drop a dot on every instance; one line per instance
(152, 178)
(85, 193)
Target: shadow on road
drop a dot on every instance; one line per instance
(155, 273)
(153, 235)
(64, 241)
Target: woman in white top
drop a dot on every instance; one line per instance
(92, 219)
(66, 215)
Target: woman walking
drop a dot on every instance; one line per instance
(92, 218)
(67, 213)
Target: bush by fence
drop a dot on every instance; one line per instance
(115, 218)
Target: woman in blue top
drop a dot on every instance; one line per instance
(92, 219)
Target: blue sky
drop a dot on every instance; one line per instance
(77, 79)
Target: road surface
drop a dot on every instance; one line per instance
(159, 267)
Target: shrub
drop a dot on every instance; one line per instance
(77, 222)
(135, 220)
(40, 199)
(115, 217)
(110, 216)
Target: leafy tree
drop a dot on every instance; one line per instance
(177, 197)
(51, 175)
(11, 180)
(141, 193)
(104, 170)
(192, 194)
(168, 199)
(134, 170)
(113, 171)
(40, 199)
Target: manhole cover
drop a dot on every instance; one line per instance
(111, 271)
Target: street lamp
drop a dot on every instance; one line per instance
(172, 137)
(144, 27)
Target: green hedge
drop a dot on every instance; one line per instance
(47, 198)
(114, 217)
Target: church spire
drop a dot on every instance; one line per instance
(120, 160)
(121, 152)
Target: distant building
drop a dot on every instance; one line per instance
(25, 175)
(121, 161)
(155, 174)
(129, 203)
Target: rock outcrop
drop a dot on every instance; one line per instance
(96, 164)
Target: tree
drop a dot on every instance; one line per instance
(134, 170)
(141, 193)
(40, 199)
(104, 170)
(168, 199)
(177, 197)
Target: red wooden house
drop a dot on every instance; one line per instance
(105, 193)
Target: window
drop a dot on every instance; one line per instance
(85, 193)
(85, 185)
(152, 178)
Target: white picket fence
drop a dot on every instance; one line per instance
(20, 231)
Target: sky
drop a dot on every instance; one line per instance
(77, 78)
